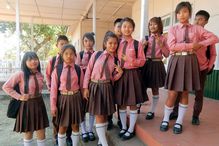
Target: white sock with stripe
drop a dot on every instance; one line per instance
(101, 132)
(61, 139)
(133, 119)
(41, 142)
(91, 123)
(123, 118)
(28, 142)
(75, 138)
(181, 112)
(154, 103)
(167, 112)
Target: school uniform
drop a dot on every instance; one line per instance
(183, 67)
(153, 71)
(129, 88)
(70, 99)
(32, 114)
(99, 78)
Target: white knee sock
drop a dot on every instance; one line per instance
(181, 113)
(28, 142)
(101, 132)
(41, 142)
(62, 139)
(83, 127)
(91, 123)
(75, 138)
(167, 112)
(154, 103)
(133, 119)
(123, 118)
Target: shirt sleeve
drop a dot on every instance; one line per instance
(48, 74)
(54, 90)
(165, 48)
(209, 37)
(9, 85)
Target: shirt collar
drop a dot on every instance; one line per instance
(128, 40)
(66, 65)
(86, 51)
(183, 25)
(105, 52)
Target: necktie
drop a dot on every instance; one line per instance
(153, 47)
(124, 52)
(105, 68)
(36, 85)
(68, 81)
(186, 35)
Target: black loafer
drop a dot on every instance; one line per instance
(122, 133)
(149, 116)
(124, 137)
(164, 127)
(195, 121)
(68, 141)
(84, 137)
(110, 125)
(177, 130)
(91, 136)
(173, 116)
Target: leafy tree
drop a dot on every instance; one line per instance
(42, 40)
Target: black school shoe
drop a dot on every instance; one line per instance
(195, 120)
(110, 125)
(149, 116)
(68, 141)
(177, 130)
(124, 137)
(173, 116)
(91, 136)
(165, 127)
(122, 132)
(84, 137)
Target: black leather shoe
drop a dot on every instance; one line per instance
(149, 116)
(99, 144)
(110, 125)
(68, 141)
(195, 121)
(164, 127)
(177, 130)
(119, 124)
(124, 137)
(91, 136)
(84, 137)
(122, 132)
(173, 116)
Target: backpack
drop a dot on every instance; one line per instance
(81, 54)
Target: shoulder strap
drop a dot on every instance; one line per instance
(116, 60)
(59, 68)
(78, 71)
(136, 48)
(97, 55)
(53, 62)
(81, 54)
(208, 53)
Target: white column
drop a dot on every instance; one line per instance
(18, 56)
(94, 20)
(144, 18)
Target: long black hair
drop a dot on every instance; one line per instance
(27, 72)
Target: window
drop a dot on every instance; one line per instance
(166, 20)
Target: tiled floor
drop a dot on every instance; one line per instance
(206, 134)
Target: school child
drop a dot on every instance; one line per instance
(101, 73)
(184, 40)
(67, 80)
(117, 31)
(82, 60)
(32, 116)
(153, 72)
(129, 88)
(206, 63)
(61, 41)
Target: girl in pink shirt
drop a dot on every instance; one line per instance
(32, 115)
(83, 58)
(183, 40)
(67, 80)
(129, 89)
(154, 72)
(101, 72)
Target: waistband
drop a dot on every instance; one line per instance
(153, 59)
(182, 53)
(69, 92)
(101, 81)
(35, 96)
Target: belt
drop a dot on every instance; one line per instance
(69, 92)
(182, 53)
(101, 81)
(154, 59)
(35, 96)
